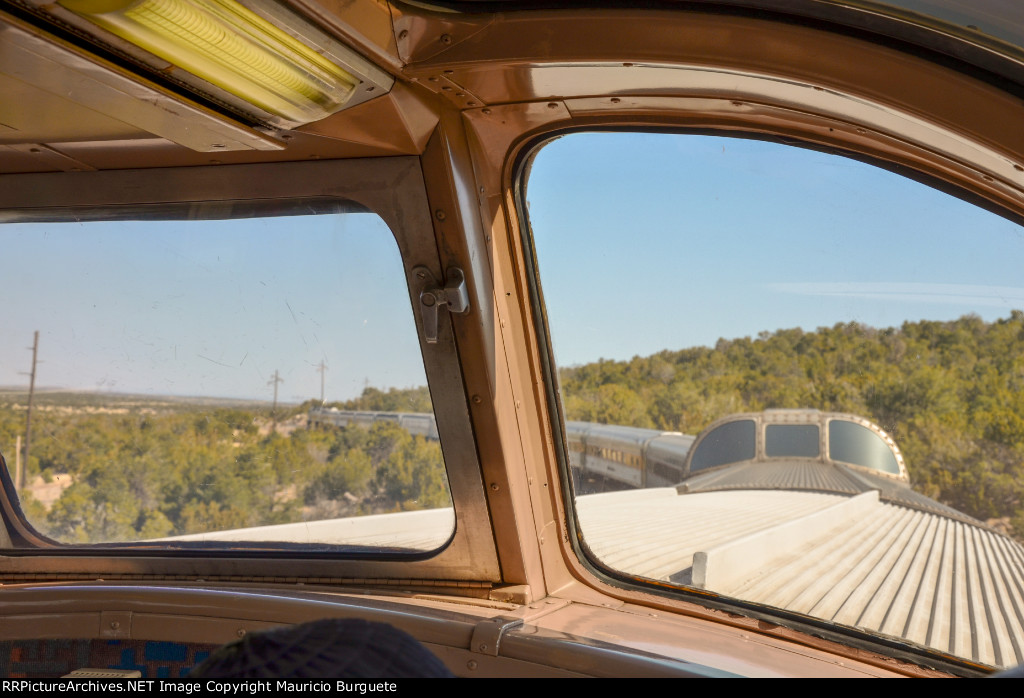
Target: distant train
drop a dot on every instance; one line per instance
(628, 455)
(651, 458)
(416, 423)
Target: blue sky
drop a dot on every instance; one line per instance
(210, 308)
(732, 237)
(646, 242)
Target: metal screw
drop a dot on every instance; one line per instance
(552, 105)
(477, 399)
(486, 110)
(114, 625)
(471, 664)
(494, 487)
(446, 38)
(483, 648)
(440, 214)
(404, 34)
(615, 100)
(240, 632)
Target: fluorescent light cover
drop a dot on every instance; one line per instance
(231, 47)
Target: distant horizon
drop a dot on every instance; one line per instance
(294, 400)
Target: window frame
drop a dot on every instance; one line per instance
(392, 188)
(518, 164)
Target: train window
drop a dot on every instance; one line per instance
(188, 375)
(753, 277)
(791, 441)
(732, 442)
(855, 444)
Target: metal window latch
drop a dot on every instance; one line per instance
(433, 296)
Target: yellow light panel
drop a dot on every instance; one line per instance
(231, 47)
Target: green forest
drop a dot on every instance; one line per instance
(950, 393)
(171, 471)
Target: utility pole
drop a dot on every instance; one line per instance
(28, 418)
(323, 371)
(274, 381)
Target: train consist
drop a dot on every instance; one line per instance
(416, 423)
(626, 455)
(642, 458)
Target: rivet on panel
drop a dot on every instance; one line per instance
(446, 38)
(446, 88)
(404, 34)
(477, 399)
(240, 632)
(440, 214)
(217, 145)
(460, 94)
(615, 100)
(114, 625)
(552, 105)
(470, 104)
(448, 72)
(1018, 168)
(495, 487)
(486, 110)
(433, 78)
(483, 647)
(471, 664)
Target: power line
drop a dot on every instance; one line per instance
(28, 416)
(322, 370)
(274, 381)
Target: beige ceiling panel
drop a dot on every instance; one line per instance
(32, 115)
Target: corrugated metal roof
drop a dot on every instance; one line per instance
(825, 477)
(899, 571)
